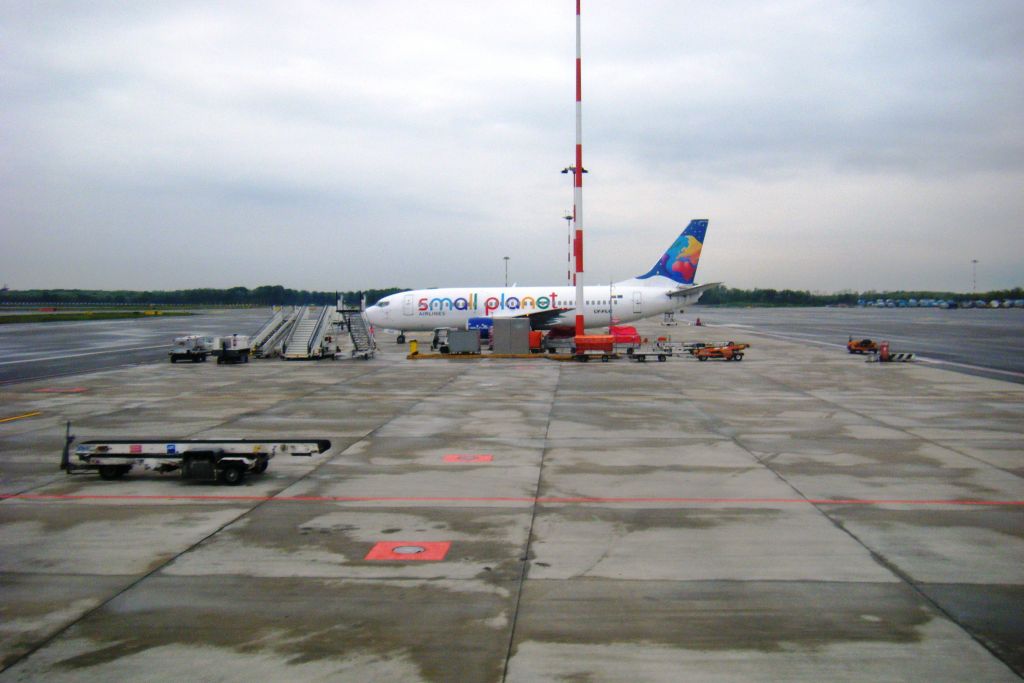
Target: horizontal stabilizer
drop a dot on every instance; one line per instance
(698, 289)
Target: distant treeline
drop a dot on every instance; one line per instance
(267, 295)
(277, 295)
(727, 296)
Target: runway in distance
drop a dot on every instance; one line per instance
(668, 286)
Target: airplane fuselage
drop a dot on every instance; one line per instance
(668, 286)
(548, 307)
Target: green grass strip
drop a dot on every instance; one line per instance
(60, 317)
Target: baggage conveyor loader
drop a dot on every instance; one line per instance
(222, 460)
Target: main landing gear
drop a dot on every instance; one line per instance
(401, 338)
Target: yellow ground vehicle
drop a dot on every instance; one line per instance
(861, 346)
(729, 351)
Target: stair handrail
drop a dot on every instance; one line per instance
(268, 328)
(282, 332)
(361, 326)
(317, 338)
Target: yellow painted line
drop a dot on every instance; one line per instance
(20, 417)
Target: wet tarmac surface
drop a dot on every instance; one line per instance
(802, 515)
(41, 350)
(979, 341)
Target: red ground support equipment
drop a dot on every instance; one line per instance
(587, 345)
(625, 335)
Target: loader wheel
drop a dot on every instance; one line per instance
(111, 472)
(661, 358)
(232, 475)
(738, 357)
(173, 359)
(702, 358)
(261, 467)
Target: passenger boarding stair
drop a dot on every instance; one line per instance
(277, 330)
(268, 330)
(363, 343)
(306, 340)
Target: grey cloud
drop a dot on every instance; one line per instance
(434, 132)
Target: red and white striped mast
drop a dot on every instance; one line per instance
(578, 186)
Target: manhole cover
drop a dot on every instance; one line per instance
(408, 549)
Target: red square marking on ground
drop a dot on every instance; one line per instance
(409, 550)
(135, 448)
(468, 457)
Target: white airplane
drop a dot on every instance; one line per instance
(668, 286)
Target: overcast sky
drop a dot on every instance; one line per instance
(348, 145)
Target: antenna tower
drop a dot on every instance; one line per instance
(578, 187)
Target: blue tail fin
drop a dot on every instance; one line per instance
(679, 263)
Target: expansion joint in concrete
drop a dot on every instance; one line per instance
(525, 557)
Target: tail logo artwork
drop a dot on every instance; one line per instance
(679, 263)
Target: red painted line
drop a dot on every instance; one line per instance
(59, 496)
(504, 499)
(468, 457)
(60, 390)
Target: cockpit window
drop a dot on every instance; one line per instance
(383, 304)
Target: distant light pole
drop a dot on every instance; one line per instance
(568, 260)
(572, 169)
(506, 271)
(571, 172)
(974, 275)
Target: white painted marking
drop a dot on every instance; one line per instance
(923, 359)
(87, 353)
(937, 361)
(808, 340)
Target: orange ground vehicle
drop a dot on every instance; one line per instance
(730, 351)
(600, 345)
(861, 346)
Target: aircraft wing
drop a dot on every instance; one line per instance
(539, 320)
(542, 319)
(696, 289)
